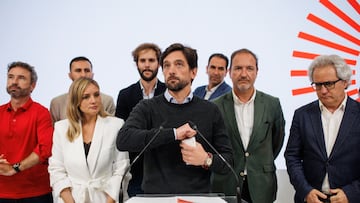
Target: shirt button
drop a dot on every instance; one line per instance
(242, 174)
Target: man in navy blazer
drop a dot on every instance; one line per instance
(146, 56)
(323, 150)
(216, 70)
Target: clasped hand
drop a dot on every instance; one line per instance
(339, 197)
(5, 167)
(191, 155)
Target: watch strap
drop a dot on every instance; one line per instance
(206, 163)
(16, 167)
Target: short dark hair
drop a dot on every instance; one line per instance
(189, 53)
(220, 55)
(145, 46)
(26, 66)
(244, 50)
(80, 58)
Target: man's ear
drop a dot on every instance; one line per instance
(32, 86)
(194, 72)
(69, 74)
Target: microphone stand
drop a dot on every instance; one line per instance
(121, 192)
(238, 188)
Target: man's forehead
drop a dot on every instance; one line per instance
(147, 53)
(217, 63)
(18, 69)
(175, 56)
(74, 68)
(81, 67)
(175, 60)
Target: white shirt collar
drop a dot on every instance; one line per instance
(237, 100)
(342, 105)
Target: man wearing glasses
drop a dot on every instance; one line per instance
(322, 154)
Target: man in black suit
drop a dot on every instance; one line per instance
(146, 56)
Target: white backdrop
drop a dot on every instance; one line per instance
(48, 34)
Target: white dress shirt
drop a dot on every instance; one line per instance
(244, 114)
(209, 92)
(151, 94)
(331, 124)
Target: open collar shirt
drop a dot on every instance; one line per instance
(331, 125)
(151, 94)
(244, 114)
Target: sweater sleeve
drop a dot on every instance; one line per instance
(141, 127)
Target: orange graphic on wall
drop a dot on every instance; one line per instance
(354, 51)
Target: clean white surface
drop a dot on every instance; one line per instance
(48, 34)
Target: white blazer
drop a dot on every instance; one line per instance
(89, 178)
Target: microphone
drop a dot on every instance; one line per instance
(238, 188)
(121, 192)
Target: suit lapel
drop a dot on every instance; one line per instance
(231, 119)
(138, 94)
(79, 151)
(159, 88)
(317, 127)
(217, 92)
(213, 95)
(96, 144)
(348, 120)
(259, 110)
(202, 91)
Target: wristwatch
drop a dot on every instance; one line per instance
(16, 167)
(208, 161)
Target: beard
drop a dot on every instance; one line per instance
(213, 81)
(149, 78)
(243, 87)
(18, 92)
(176, 86)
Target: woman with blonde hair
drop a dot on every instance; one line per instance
(85, 166)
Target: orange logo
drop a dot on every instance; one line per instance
(351, 49)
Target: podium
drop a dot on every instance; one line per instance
(187, 198)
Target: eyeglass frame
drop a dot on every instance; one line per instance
(328, 84)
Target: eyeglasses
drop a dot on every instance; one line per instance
(328, 85)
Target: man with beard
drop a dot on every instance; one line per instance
(146, 56)
(171, 166)
(216, 70)
(79, 67)
(25, 140)
(255, 123)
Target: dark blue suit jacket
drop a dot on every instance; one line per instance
(221, 90)
(306, 158)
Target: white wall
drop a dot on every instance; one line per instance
(48, 34)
